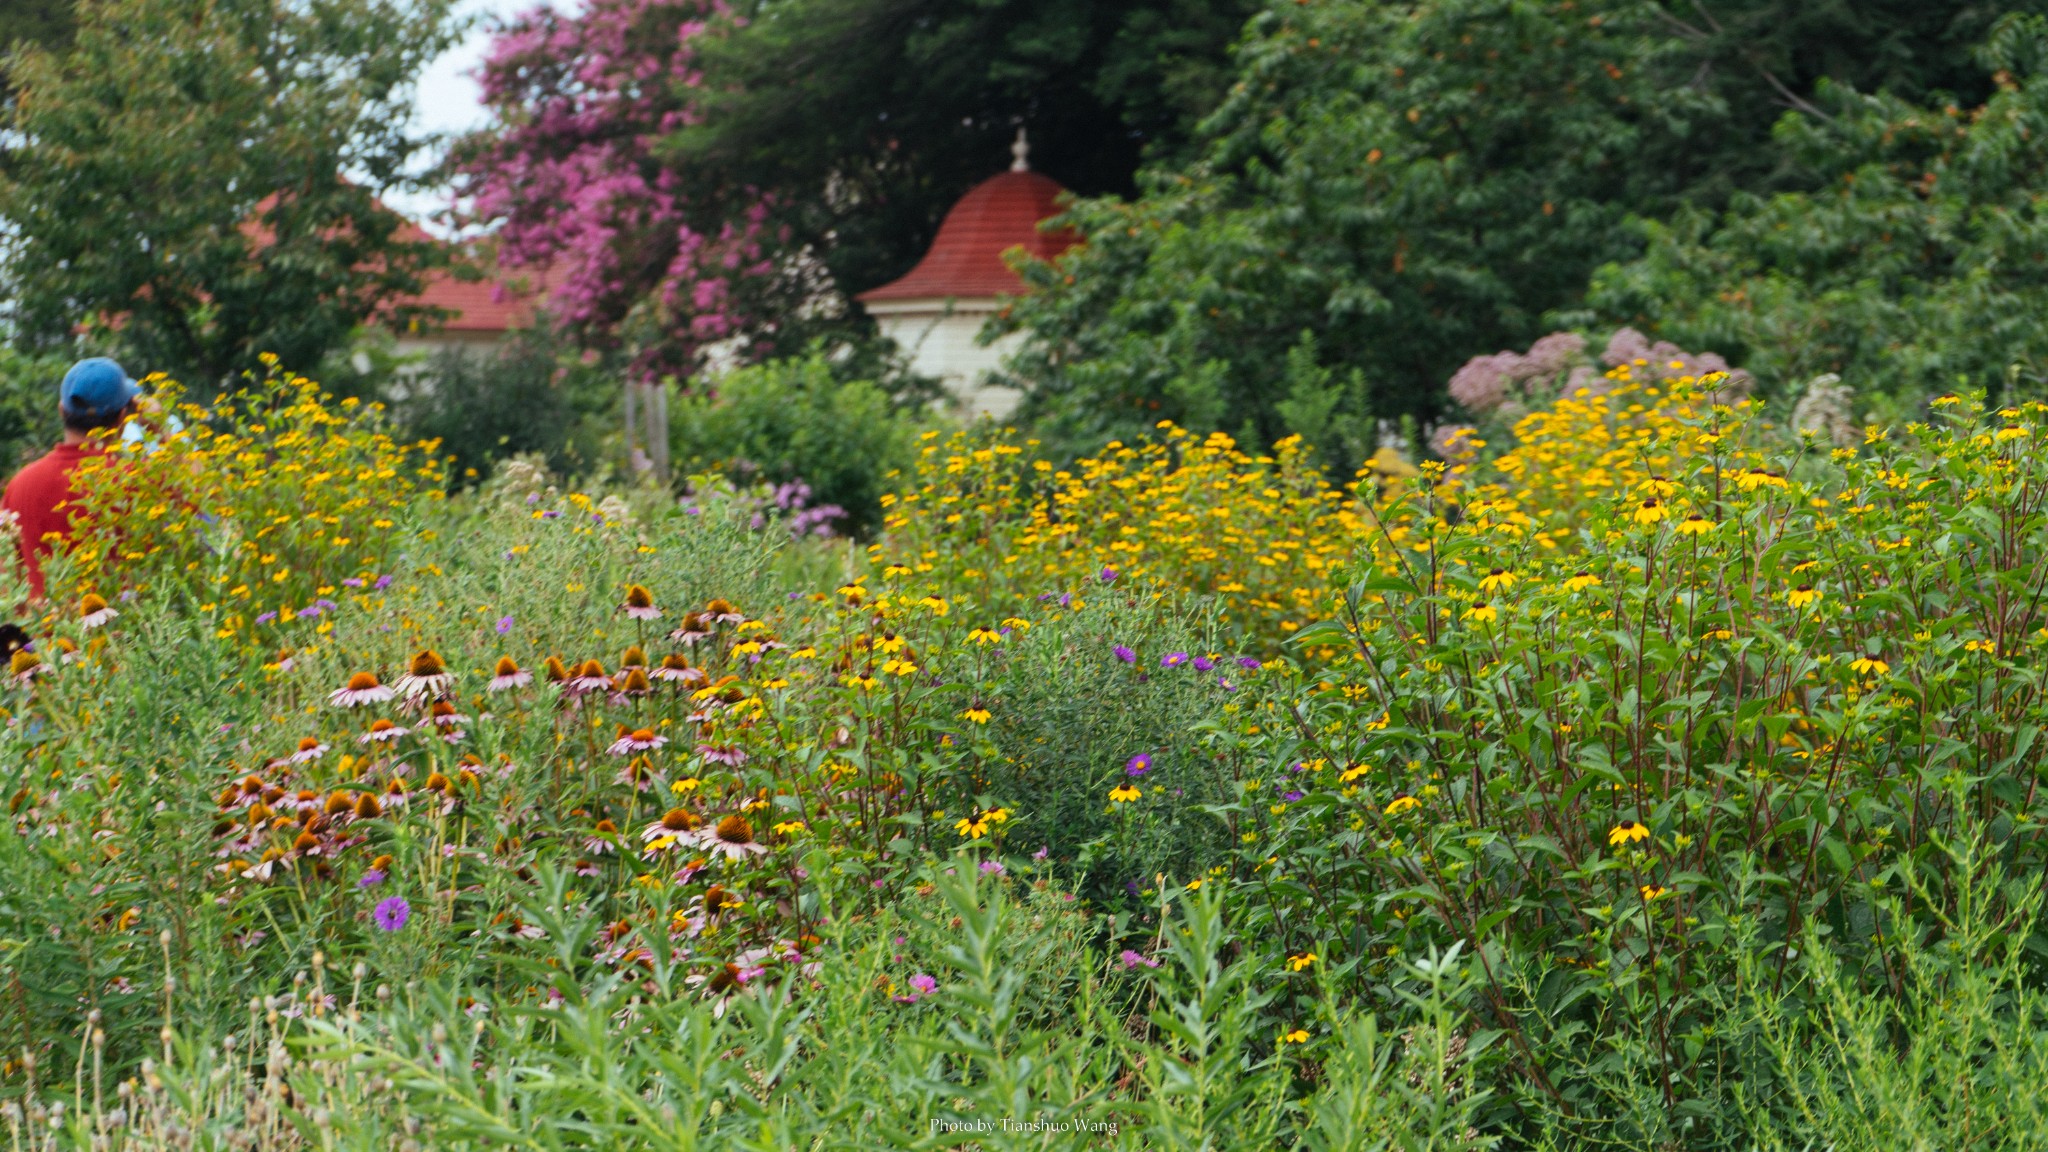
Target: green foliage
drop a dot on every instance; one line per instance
(799, 421)
(199, 181)
(530, 395)
(1911, 265)
(28, 405)
(902, 105)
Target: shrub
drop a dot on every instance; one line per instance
(793, 421)
(1746, 689)
(528, 396)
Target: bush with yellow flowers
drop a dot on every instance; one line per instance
(262, 502)
(1260, 534)
(1761, 688)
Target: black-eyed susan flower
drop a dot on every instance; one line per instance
(1579, 582)
(984, 636)
(1301, 962)
(1400, 804)
(1498, 580)
(1650, 511)
(310, 749)
(636, 740)
(1627, 832)
(382, 732)
(1653, 891)
(1695, 524)
(1482, 613)
(1869, 666)
(1124, 793)
(639, 603)
(508, 675)
(427, 676)
(732, 837)
(93, 611)
(1297, 1036)
(976, 715)
(362, 688)
(1804, 596)
(976, 824)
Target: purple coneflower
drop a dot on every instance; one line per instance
(382, 732)
(639, 603)
(362, 688)
(732, 837)
(508, 674)
(636, 740)
(310, 748)
(427, 676)
(93, 611)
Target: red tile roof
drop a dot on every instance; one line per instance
(493, 304)
(966, 260)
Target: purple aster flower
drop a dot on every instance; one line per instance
(370, 879)
(327, 604)
(1126, 655)
(1138, 765)
(1107, 576)
(551, 514)
(354, 582)
(504, 625)
(1066, 599)
(924, 984)
(992, 868)
(1292, 795)
(266, 617)
(1250, 662)
(310, 611)
(1131, 886)
(1173, 659)
(382, 583)
(1226, 685)
(1203, 663)
(1134, 959)
(392, 914)
(1042, 853)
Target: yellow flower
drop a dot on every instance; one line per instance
(1497, 580)
(1482, 612)
(1352, 773)
(685, 785)
(1695, 524)
(1626, 832)
(1652, 891)
(1195, 884)
(985, 636)
(1400, 804)
(1581, 582)
(1804, 596)
(789, 827)
(1869, 666)
(900, 667)
(977, 715)
(1298, 1036)
(1650, 511)
(1303, 961)
(1124, 793)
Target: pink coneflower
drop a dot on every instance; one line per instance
(633, 682)
(310, 749)
(24, 666)
(428, 676)
(731, 754)
(603, 839)
(693, 630)
(444, 715)
(363, 688)
(636, 740)
(675, 668)
(640, 603)
(590, 677)
(676, 824)
(508, 674)
(93, 611)
(732, 837)
(639, 775)
(395, 795)
(382, 732)
(722, 612)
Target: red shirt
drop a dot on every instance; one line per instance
(40, 495)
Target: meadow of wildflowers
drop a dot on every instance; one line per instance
(1619, 786)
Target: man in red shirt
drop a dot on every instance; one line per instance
(96, 394)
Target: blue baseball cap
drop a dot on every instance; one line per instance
(96, 388)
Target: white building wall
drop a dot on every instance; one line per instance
(939, 337)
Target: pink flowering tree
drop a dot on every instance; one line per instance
(636, 254)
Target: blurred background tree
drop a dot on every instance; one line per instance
(194, 182)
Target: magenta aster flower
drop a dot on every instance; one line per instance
(1126, 655)
(1173, 659)
(392, 914)
(1138, 765)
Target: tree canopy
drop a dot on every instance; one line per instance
(195, 182)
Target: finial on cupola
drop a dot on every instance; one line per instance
(1021, 149)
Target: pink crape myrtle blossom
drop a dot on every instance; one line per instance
(572, 174)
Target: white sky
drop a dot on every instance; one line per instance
(448, 96)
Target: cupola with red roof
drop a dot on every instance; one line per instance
(936, 310)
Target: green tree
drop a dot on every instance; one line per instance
(1415, 183)
(1915, 263)
(197, 181)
